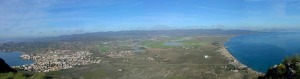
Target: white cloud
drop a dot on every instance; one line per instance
(21, 13)
(20, 17)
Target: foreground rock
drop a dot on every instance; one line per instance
(4, 68)
(288, 69)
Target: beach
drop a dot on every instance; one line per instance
(232, 60)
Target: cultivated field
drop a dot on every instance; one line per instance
(197, 57)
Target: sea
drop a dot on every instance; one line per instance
(14, 59)
(260, 51)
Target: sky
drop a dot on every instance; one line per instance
(36, 18)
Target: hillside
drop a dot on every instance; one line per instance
(7, 72)
(288, 69)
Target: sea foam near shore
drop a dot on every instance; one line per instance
(232, 60)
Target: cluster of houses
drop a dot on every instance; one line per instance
(57, 60)
(120, 54)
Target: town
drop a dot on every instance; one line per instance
(57, 60)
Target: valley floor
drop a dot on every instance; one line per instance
(202, 57)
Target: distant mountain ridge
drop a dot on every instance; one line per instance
(38, 43)
(178, 32)
(145, 33)
(133, 33)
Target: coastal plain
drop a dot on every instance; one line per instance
(199, 57)
(157, 54)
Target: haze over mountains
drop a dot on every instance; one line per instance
(36, 18)
(131, 33)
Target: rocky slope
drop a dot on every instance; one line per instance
(4, 67)
(288, 69)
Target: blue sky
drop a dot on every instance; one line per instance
(33, 18)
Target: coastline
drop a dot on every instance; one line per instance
(232, 60)
(17, 57)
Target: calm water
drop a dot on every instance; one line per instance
(14, 59)
(138, 49)
(262, 50)
(173, 44)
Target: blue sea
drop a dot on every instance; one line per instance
(14, 59)
(260, 51)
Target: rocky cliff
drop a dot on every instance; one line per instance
(288, 69)
(4, 67)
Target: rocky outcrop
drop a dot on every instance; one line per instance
(288, 69)
(4, 68)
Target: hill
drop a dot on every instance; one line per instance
(288, 69)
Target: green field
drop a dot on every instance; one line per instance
(103, 48)
(167, 62)
(194, 43)
(155, 44)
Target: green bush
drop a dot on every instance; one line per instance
(6, 75)
(281, 69)
(20, 75)
(38, 76)
(291, 59)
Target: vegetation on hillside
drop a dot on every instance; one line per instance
(288, 69)
(20, 75)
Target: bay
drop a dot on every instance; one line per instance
(260, 51)
(14, 59)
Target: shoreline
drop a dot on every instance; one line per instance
(232, 60)
(19, 60)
